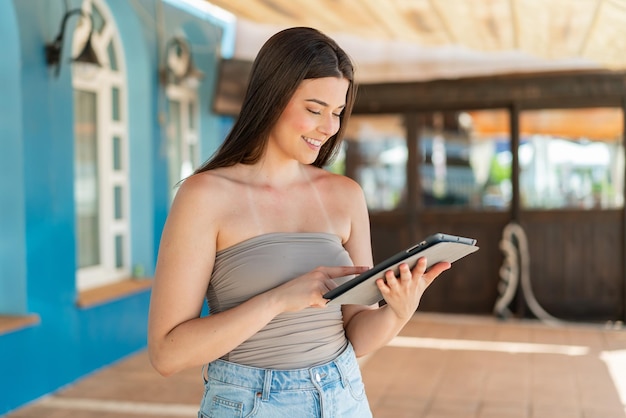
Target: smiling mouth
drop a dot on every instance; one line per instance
(314, 142)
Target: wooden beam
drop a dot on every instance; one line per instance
(590, 29)
(445, 24)
(566, 89)
(386, 18)
(255, 11)
(624, 215)
(515, 33)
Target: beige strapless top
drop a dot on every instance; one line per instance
(291, 340)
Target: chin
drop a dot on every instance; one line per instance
(308, 159)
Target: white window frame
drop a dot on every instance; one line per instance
(185, 96)
(101, 82)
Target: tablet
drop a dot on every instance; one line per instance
(362, 289)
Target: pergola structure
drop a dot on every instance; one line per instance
(417, 40)
(549, 71)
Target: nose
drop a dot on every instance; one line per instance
(329, 125)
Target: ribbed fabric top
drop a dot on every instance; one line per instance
(291, 340)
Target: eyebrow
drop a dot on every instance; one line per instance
(322, 103)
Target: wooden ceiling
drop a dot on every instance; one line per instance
(426, 39)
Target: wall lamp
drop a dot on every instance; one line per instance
(53, 49)
(178, 64)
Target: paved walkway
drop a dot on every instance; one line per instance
(442, 366)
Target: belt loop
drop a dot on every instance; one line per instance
(267, 385)
(342, 373)
(205, 373)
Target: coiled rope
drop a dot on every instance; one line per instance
(515, 270)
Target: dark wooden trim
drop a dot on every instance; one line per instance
(515, 169)
(610, 100)
(624, 211)
(528, 90)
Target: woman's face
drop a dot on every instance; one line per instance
(310, 119)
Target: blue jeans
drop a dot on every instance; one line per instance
(331, 390)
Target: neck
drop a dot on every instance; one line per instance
(269, 174)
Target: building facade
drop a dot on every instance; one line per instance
(91, 155)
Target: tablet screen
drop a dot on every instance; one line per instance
(362, 289)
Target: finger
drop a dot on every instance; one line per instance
(436, 270)
(320, 304)
(382, 286)
(405, 272)
(340, 271)
(390, 279)
(420, 267)
(330, 284)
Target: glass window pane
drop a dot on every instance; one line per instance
(112, 58)
(86, 189)
(375, 155)
(193, 155)
(98, 20)
(571, 158)
(117, 202)
(119, 251)
(466, 159)
(117, 153)
(174, 145)
(192, 116)
(115, 103)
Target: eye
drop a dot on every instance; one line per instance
(337, 115)
(314, 112)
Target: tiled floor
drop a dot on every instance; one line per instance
(442, 366)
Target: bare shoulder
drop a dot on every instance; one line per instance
(208, 187)
(343, 197)
(220, 201)
(206, 179)
(201, 199)
(337, 185)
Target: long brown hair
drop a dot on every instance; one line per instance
(287, 58)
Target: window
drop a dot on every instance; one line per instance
(182, 133)
(374, 153)
(571, 158)
(466, 159)
(101, 169)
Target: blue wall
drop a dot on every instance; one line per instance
(37, 244)
(12, 238)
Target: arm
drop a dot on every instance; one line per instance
(177, 337)
(368, 327)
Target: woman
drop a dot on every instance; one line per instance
(263, 232)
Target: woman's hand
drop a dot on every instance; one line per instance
(403, 293)
(308, 290)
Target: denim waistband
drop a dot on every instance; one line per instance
(268, 380)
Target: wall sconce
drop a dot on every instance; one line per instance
(53, 49)
(178, 64)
